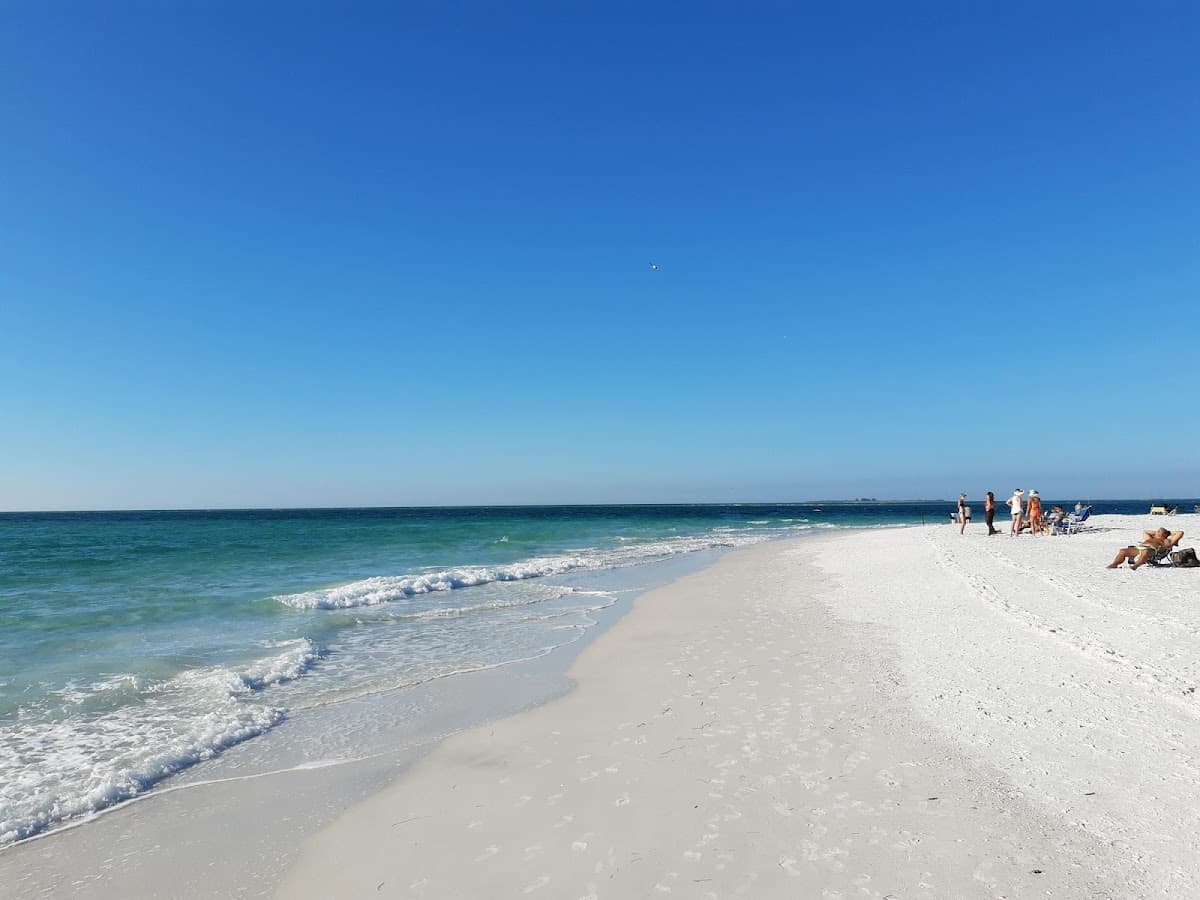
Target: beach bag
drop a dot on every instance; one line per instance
(1185, 558)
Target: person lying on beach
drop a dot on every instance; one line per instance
(1152, 543)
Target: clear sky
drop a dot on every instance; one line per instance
(288, 254)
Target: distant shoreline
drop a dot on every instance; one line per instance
(1184, 502)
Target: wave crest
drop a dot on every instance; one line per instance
(392, 588)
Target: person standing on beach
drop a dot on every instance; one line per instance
(964, 513)
(1035, 513)
(1014, 504)
(989, 512)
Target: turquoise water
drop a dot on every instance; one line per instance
(133, 645)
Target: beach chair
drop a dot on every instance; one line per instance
(1162, 556)
(1173, 557)
(1072, 524)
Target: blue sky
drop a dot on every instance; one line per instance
(392, 254)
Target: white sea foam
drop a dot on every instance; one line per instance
(450, 612)
(387, 588)
(53, 770)
(394, 588)
(298, 657)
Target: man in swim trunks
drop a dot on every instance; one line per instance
(1152, 543)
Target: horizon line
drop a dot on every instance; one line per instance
(854, 500)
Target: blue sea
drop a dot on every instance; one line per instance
(134, 645)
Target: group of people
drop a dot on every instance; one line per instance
(1027, 514)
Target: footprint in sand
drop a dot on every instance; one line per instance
(537, 885)
(621, 800)
(789, 865)
(488, 853)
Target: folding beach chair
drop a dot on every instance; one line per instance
(1175, 557)
(1072, 524)
(1161, 557)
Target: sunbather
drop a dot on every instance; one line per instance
(1152, 543)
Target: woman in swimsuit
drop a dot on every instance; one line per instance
(964, 513)
(989, 510)
(1035, 513)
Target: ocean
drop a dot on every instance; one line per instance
(135, 645)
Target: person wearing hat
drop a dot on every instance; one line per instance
(964, 513)
(1014, 504)
(1035, 513)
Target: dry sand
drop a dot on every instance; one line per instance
(895, 713)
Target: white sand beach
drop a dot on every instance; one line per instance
(896, 713)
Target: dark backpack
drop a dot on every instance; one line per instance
(1185, 558)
